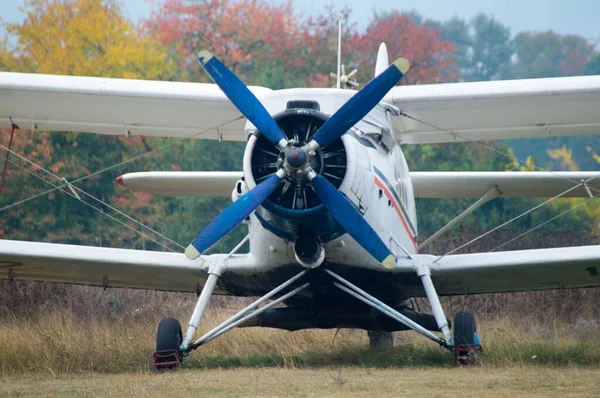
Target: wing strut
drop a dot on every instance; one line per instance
(490, 195)
(12, 133)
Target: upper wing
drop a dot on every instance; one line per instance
(119, 106)
(519, 184)
(512, 271)
(498, 110)
(99, 266)
(182, 183)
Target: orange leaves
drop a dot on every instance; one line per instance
(430, 57)
(273, 45)
(262, 43)
(243, 33)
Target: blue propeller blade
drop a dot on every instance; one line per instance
(241, 97)
(352, 221)
(361, 103)
(231, 217)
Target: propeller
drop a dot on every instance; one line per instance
(359, 105)
(242, 98)
(297, 159)
(351, 220)
(233, 215)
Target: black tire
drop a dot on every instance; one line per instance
(464, 329)
(381, 339)
(169, 337)
(465, 336)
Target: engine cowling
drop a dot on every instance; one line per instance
(294, 210)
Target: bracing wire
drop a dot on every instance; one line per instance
(512, 158)
(72, 189)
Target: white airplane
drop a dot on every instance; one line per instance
(325, 192)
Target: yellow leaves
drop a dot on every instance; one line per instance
(515, 165)
(84, 38)
(594, 154)
(565, 156)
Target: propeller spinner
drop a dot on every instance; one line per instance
(297, 159)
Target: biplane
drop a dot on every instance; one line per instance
(325, 192)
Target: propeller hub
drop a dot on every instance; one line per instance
(296, 158)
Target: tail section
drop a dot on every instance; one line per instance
(383, 60)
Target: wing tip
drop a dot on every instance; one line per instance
(402, 64)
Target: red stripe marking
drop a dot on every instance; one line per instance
(391, 198)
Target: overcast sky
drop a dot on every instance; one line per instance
(563, 16)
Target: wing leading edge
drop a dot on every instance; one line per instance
(108, 267)
(518, 184)
(497, 110)
(119, 106)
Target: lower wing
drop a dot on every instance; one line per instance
(521, 270)
(511, 271)
(107, 267)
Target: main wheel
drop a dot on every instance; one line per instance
(168, 354)
(380, 339)
(466, 340)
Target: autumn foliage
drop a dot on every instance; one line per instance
(275, 46)
(431, 59)
(85, 38)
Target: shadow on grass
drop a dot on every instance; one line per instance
(532, 353)
(405, 356)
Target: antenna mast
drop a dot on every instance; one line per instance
(339, 60)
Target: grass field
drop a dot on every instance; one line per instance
(517, 381)
(97, 344)
(60, 343)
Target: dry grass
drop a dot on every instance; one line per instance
(341, 382)
(60, 329)
(58, 343)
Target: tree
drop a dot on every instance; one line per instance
(593, 66)
(491, 50)
(457, 31)
(263, 44)
(430, 57)
(81, 37)
(548, 54)
(482, 47)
